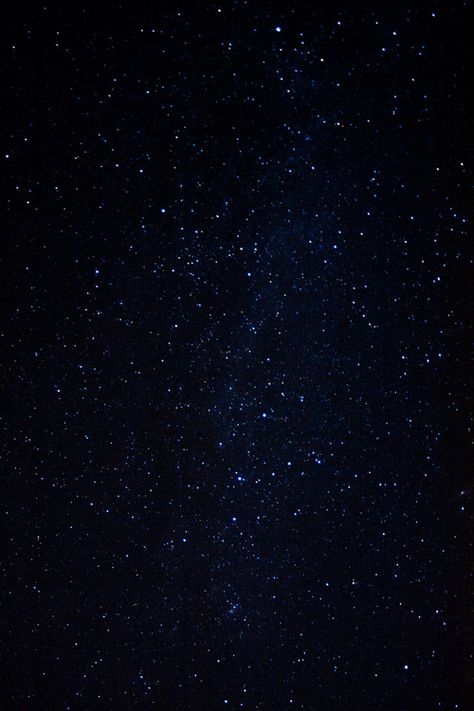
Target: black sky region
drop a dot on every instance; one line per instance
(236, 332)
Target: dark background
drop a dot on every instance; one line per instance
(235, 345)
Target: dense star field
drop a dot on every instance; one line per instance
(236, 344)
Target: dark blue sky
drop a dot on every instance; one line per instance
(236, 327)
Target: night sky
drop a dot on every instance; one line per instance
(236, 342)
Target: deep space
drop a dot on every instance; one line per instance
(236, 276)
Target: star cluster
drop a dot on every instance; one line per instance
(236, 335)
